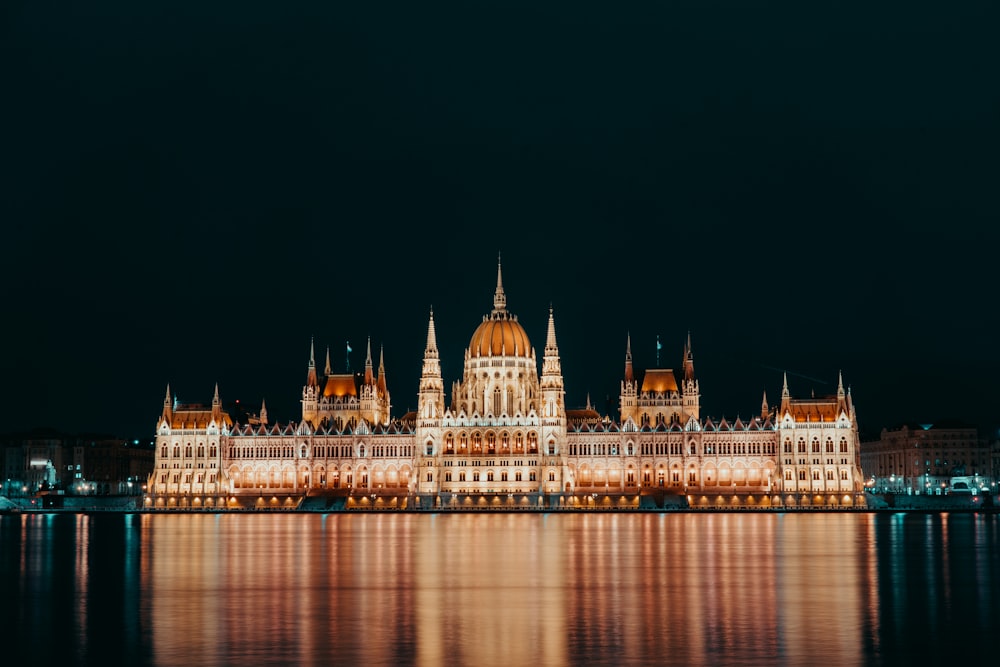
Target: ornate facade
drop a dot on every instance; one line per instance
(506, 440)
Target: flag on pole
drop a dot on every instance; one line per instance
(349, 350)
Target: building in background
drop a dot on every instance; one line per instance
(50, 463)
(504, 438)
(930, 459)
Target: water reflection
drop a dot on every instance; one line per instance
(500, 589)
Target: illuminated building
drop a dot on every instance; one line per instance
(506, 440)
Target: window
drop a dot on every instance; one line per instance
(430, 477)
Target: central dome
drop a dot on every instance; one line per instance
(500, 334)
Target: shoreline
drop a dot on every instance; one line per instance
(532, 510)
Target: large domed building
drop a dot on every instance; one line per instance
(506, 440)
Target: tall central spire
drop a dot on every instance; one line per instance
(499, 298)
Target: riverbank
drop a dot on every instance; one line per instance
(133, 504)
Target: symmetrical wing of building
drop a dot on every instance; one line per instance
(506, 439)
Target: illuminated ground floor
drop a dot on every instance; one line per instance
(349, 500)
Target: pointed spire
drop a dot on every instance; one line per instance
(589, 406)
(431, 337)
(263, 412)
(381, 370)
(499, 298)
(168, 408)
(550, 338)
(369, 375)
(629, 376)
(216, 406)
(329, 369)
(688, 359)
(311, 380)
(764, 409)
(840, 384)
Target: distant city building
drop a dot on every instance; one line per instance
(54, 463)
(506, 439)
(932, 458)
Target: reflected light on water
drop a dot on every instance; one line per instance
(508, 589)
(499, 589)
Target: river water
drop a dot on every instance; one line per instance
(500, 589)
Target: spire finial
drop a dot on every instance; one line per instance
(431, 336)
(499, 298)
(550, 339)
(629, 375)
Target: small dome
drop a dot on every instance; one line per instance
(500, 334)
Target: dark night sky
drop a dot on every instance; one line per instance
(192, 190)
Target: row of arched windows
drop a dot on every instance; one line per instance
(189, 451)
